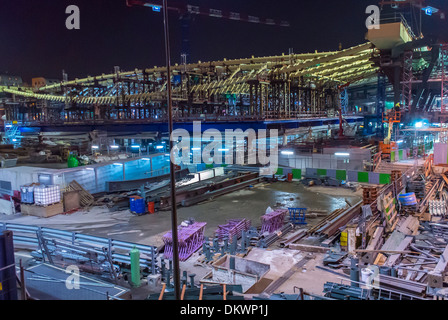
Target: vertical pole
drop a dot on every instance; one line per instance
(354, 271)
(7, 267)
(176, 277)
(135, 267)
(341, 130)
(23, 295)
(96, 178)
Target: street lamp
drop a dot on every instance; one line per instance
(176, 271)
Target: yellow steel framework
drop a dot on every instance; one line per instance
(283, 86)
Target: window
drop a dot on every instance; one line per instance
(6, 187)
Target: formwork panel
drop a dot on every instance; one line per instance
(297, 173)
(321, 172)
(363, 177)
(311, 172)
(352, 175)
(374, 178)
(384, 178)
(331, 173)
(341, 174)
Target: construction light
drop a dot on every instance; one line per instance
(118, 164)
(156, 8)
(196, 149)
(95, 147)
(223, 150)
(114, 147)
(342, 154)
(419, 124)
(287, 153)
(146, 159)
(159, 147)
(135, 146)
(400, 141)
(430, 10)
(90, 169)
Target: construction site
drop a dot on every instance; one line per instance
(320, 175)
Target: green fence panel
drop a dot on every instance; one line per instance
(341, 174)
(297, 173)
(384, 178)
(321, 172)
(363, 177)
(400, 154)
(279, 171)
(392, 156)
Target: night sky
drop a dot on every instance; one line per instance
(35, 42)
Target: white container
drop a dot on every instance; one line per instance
(7, 207)
(46, 195)
(365, 274)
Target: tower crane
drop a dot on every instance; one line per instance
(187, 12)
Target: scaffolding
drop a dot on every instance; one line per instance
(251, 89)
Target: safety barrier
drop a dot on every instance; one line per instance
(350, 175)
(296, 173)
(27, 236)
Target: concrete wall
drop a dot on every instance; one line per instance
(440, 153)
(350, 175)
(246, 272)
(93, 177)
(330, 161)
(19, 176)
(6, 207)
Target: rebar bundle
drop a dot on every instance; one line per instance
(234, 227)
(273, 221)
(190, 239)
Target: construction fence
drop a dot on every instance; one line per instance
(343, 175)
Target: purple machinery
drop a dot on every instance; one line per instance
(273, 221)
(234, 227)
(190, 239)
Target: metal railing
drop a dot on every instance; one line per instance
(28, 236)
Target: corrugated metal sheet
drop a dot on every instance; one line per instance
(331, 173)
(374, 177)
(311, 172)
(352, 175)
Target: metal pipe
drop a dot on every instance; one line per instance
(176, 276)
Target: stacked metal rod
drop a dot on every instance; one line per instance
(271, 238)
(337, 219)
(190, 239)
(234, 227)
(273, 221)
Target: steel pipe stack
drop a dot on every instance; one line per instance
(190, 239)
(272, 237)
(234, 227)
(273, 221)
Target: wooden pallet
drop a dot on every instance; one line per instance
(86, 199)
(388, 205)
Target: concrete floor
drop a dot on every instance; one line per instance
(149, 229)
(249, 203)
